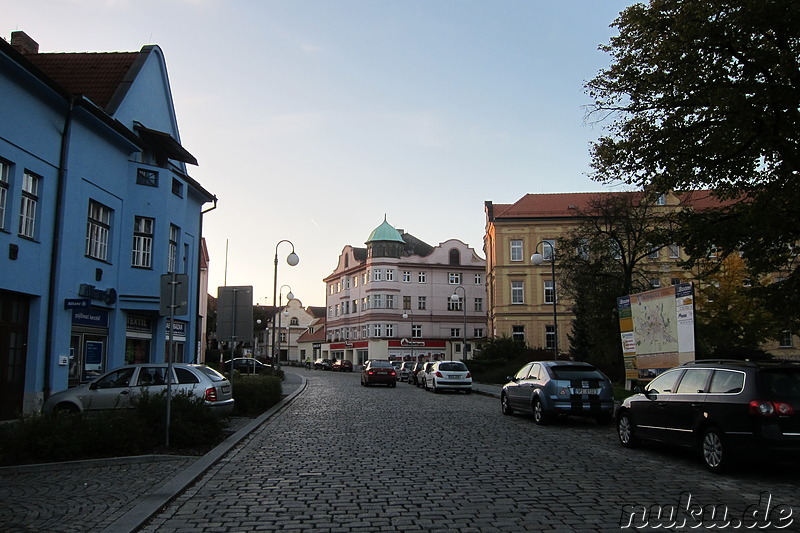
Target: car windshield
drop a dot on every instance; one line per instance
(453, 367)
(575, 372)
(781, 383)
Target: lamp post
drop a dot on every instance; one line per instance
(538, 259)
(455, 298)
(292, 260)
(289, 297)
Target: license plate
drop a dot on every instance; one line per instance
(585, 391)
(226, 389)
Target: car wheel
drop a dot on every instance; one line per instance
(434, 388)
(505, 407)
(714, 451)
(539, 416)
(625, 431)
(65, 409)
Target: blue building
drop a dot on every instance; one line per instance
(95, 206)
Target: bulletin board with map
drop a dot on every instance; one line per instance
(657, 330)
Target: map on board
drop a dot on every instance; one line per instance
(655, 325)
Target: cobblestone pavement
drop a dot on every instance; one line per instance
(345, 458)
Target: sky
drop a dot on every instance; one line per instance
(312, 120)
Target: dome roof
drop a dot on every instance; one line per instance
(385, 232)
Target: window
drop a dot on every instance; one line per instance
(377, 301)
(390, 301)
(3, 192)
(416, 331)
(455, 305)
(355, 306)
(478, 333)
(338, 286)
(549, 292)
(172, 257)
(664, 383)
(294, 321)
(390, 330)
(98, 228)
(661, 200)
(377, 274)
(726, 382)
(786, 339)
(454, 278)
(422, 302)
(653, 253)
(615, 248)
(355, 281)
(142, 255)
(455, 332)
(674, 251)
(406, 302)
(516, 250)
(548, 249)
(389, 274)
(655, 283)
(479, 305)
(517, 292)
(27, 208)
(338, 309)
(518, 334)
(365, 277)
(421, 278)
(365, 331)
(147, 177)
(583, 249)
(330, 288)
(377, 330)
(478, 279)
(550, 337)
(406, 276)
(694, 381)
(177, 187)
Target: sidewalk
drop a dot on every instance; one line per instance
(74, 496)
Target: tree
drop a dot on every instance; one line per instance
(605, 256)
(706, 94)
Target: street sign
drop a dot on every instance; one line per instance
(181, 302)
(235, 313)
(77, 303)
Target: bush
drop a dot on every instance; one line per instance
(254, 394)
(115, 433)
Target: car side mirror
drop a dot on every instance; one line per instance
(638, 389)
(510, 378)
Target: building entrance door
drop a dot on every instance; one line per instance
(13, 353)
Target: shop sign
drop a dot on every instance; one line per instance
(108, 296)
(97, 318)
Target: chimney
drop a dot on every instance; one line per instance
(24, 44)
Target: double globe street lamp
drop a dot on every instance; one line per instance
(538, 259)
(292, 260)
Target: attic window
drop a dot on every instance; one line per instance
(177, 188)
(147, 177)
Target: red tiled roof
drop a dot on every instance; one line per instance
(565, 205)
(94, 75)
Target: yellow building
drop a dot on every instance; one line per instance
(520, 294)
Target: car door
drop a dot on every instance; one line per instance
(649, 410)
(110, 391)
(513, 388)
(151, 380)
(685, 406)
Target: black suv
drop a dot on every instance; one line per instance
(719, 407)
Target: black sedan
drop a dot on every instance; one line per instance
(247, 365)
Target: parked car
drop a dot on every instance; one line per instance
(549, 388)
(405, 370)
(721, 408)
(378, 371)
(119, 388)
(247, 365)
(448, 375)
(422, 375)
(342, 365)
(323, 364)
(397, 365)
(414, 378)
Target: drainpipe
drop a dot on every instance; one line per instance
(56, 247)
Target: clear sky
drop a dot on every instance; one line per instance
(313, 119)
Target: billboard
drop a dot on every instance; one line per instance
(656, 330)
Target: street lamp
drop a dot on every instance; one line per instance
(455, 298)
(292, 260)
(538, 259)
(289, 297)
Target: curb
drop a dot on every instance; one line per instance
(152, 503)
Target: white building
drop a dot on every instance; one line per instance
(395, 300)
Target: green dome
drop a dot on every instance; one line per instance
(385, 232)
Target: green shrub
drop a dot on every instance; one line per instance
(254, 394)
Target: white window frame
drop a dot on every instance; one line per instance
(389, 274)
(516, 250)
(422, 303)
(377, 274)
(454, 278)
(422, 277)
(98, 230)
(479, 279)
(517, 292)
(142, 253)
(28, 205)
(549, 291)
(4, 186)
(406, 276)
(390, 330)
(389, 300)
(674, 251)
